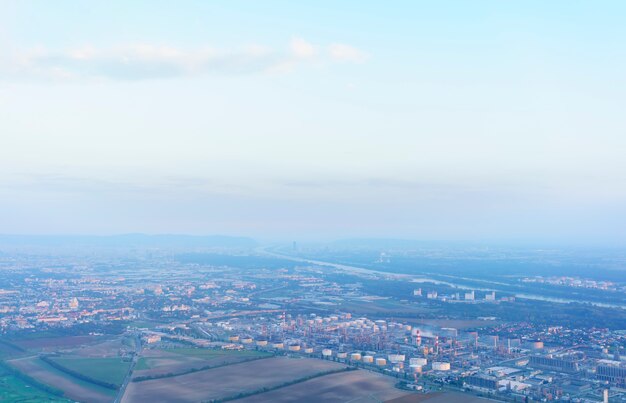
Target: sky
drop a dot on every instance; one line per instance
(435, 120)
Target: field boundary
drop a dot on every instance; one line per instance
(78, 375)
(13, 346)
(30, 380)
(193, 370)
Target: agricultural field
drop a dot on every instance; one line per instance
(226, 381)
(111, 370)
(8, 349)
(383, 307)
(49, 344)
(13, 389)
(158, 362)
(73, 388)
(144, 323)
(343, 386)
(104, 347)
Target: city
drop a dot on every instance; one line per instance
(278, 201)
(156, 316)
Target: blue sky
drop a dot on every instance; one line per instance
(432, 120)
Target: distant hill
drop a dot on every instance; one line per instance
(129, 240)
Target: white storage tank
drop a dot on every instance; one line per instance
(368, 359)
(418, 362)
(355, 356)
(327, 352)
(416, 368)
(441, 366)
(381, 362)
(396, 358)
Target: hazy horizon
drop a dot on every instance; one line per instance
(481, 121)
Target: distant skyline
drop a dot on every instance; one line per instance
(446, 120)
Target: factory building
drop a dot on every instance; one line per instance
(553, 364)
(612, 373)
(482, 382)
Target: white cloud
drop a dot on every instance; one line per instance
(302, 49)
(146, 61)
(346, 53)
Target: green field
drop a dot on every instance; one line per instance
(13, 389)
(110, 370)
(383, 306)
(142, 323)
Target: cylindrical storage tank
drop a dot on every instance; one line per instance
(327, 352)
(308, 350)
(368, 359)
(261, 343)
(233, 338)
(342, 355)
(278, 345)
(395, 358)
(381, 362)
(247, 340)
(294, 347)
(420, 362)
(441, 366)
(408, 328)
(355, 356)
(416, 368)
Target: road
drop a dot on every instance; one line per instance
(122, 389)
